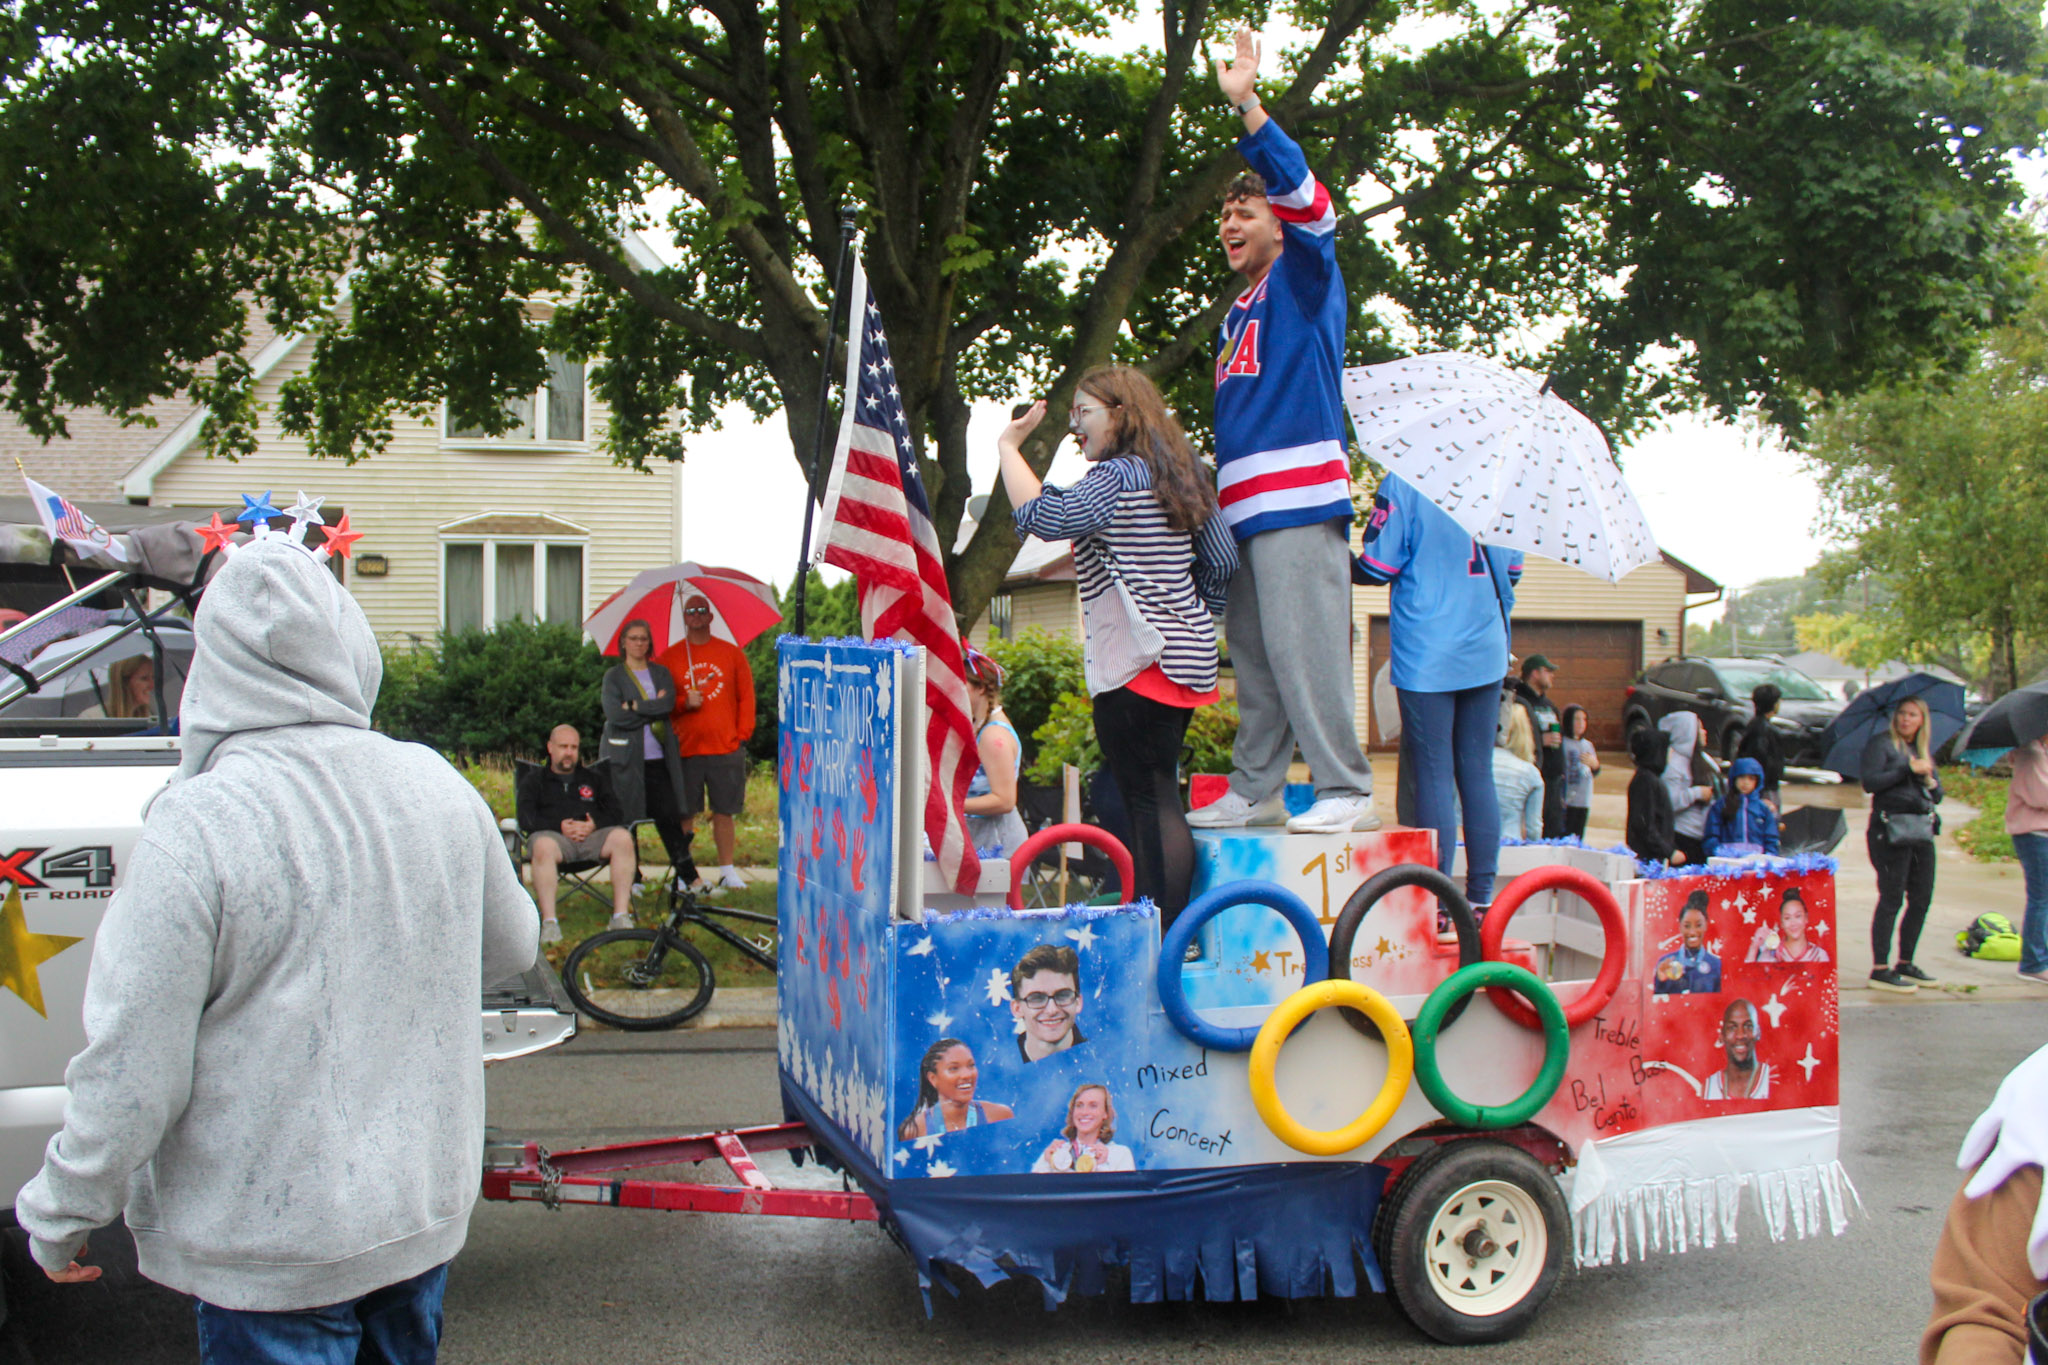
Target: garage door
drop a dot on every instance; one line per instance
(1596, 661)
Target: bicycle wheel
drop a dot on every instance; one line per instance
(638, 979)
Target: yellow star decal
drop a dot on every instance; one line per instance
(1261, 962)
(1383, 947)
(22, 952)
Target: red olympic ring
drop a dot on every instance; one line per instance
(1119, 856)
(1612, 957)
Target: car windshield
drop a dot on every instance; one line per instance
(1790, 682)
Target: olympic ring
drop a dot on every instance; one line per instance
(1613, 953)
(1315, 953)
(1266, 1056)
(1360, 905)
(1119, 856)
(1431, 1020)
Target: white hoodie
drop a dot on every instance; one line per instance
(283, 1077)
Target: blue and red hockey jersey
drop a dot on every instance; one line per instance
(1280, 428)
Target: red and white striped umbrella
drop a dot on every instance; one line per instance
(742, 606)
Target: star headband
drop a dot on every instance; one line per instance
(257, 511)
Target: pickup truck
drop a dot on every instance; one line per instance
(72, 792)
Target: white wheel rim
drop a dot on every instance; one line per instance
(1486, 1247)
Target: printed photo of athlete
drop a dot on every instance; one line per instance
(1046, 1001)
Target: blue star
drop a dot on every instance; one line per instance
(257, 510)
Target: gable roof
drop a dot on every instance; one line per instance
(91, 461)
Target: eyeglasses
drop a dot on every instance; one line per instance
(1038, 1000)
(1080, 410)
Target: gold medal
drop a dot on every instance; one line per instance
(1085, 1162)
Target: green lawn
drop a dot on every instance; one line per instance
(1983, 838)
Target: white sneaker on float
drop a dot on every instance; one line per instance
(1231, 811)
(1335, 815)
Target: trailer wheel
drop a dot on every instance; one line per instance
(1473, 1241)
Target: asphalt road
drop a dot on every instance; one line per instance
(608, 1287)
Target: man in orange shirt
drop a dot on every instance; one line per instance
(714, 718)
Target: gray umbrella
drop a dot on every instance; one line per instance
(2019, 717)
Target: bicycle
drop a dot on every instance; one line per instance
(656, 978)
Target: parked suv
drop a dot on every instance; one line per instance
(1718, 692)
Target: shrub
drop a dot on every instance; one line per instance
(494, 691)
(1039, 669)
(1067, 736)
(1212, 730)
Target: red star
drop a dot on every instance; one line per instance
(215, 535)
(339, 537)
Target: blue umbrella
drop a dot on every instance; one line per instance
(1871, 712)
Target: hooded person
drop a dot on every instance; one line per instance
(1740, 822)
(1650, 834)
(1689, 797)
(282, 1084)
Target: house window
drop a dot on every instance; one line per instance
(1002, 617)
(552, 414)
(488, 582)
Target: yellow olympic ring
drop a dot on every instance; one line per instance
(1266, 1055)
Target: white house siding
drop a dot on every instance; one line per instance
(400, 498)
(1054, 608)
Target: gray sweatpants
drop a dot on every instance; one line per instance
(1289, 629)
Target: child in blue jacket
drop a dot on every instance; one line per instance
(1741, 821)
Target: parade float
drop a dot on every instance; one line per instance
(1328, 1091)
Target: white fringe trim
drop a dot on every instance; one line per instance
(1678, 1215)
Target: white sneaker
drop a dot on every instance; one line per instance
(2038, 978)
(550, 931)
(1335, 815)
(622, 921)
(1231, 811)
(732, 881)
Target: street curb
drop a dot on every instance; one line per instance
(730, 1007)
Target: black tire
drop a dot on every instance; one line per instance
(1345, 930)
(1498, 1196)
(650, 979)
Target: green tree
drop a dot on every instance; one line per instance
(1939, 490)
(1730, 202)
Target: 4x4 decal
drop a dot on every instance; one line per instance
(92, 864)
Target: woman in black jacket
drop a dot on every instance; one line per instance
(1898, 772)
(640, 748)
(1760, 742)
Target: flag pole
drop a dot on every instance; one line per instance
(803, 560)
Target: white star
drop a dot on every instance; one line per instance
(874, 369)
(927, 1142)
(939, 1170)
(1084, 936)
(922, 948)
(895, 392)
(1821, 929)
(872, 401)
(886, 364)
(939, 1021)
(1748, 915)
(1808, 1062)
(1775, 1008)
(998, 986)
(902, 1156)
(303, 511)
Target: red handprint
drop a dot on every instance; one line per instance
(803, 769)
(839, 835)
(788, 758)
(869, 792)
(832, 999)
(858, 864)
(845, 947)
(802, 877)
(817, 841)
(802, 959)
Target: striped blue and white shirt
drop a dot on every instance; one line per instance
(1119, 530)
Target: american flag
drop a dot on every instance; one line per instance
(878, 526)
(63, 521)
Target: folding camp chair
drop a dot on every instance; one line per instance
(581, 875)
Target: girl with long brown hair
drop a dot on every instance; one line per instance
(1154, 561)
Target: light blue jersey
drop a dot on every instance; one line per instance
(1449, 602)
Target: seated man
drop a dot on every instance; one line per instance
(570, 816)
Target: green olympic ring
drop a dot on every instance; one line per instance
(1557, 1045)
